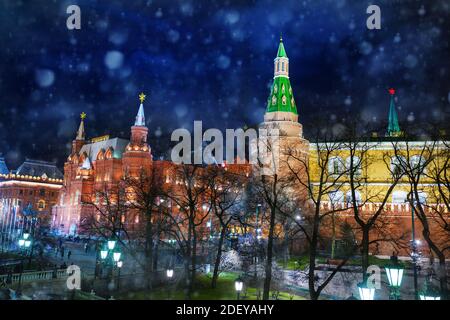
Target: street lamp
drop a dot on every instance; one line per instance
(116, 256)
(429, 292)
(119, 266)
(169, 273)
(394, 274)
(111, 244)
(366, 292)
(103, 254)
(238, 285)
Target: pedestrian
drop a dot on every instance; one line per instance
(85, 247)
(69, 253)
(62, 252)
(56, 251)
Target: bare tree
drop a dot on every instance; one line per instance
(189, 195)
(420, 162)
(225, 196)
(144, 197)
(319, 184)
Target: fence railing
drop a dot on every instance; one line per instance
(33, 276)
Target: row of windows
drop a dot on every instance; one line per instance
(337, 165)
(398, 197)
(282, 66)
(40, 192)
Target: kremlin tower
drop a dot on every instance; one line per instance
(281, 112)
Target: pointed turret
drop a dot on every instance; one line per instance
(80, 133)
(393, 126)
(81, 136)
(281, 52)
(140, 118)
(281, 98)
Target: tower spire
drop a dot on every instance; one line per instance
(393, 126)
(80, 133)
(281, 97)
(140, 117)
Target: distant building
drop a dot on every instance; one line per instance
(35, 184)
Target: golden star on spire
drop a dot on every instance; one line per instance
(83, 115)
(142, 97)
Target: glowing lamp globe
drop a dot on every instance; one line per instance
(111, 244)
(119, 264)
(21, 242)
(395, 275)
(169, 273)
(238, 285)
(429, 293)
(27, 243)
(365, 292)
(103, 254)
(26, 236)
(116, 256)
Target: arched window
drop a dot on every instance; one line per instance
(101, 154)
(109, 153)
(349, 198)
(274, 100)
(41, 205)
(356, 164)
(77, 197)
(336, 197)
(422, 197)
(399, 196)
(335, 165)
(282, 66)
(283, 100)
(417, 164)
(397, 165)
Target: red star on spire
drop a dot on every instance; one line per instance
(391, 91)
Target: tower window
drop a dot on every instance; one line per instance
(274, 100)
(282, 66)
(275, 89)
(283, 100)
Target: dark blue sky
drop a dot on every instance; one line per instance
(210, 61)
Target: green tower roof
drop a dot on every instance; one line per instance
(281, 50)
(281, 97)
(393, 126)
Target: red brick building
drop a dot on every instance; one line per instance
(97, 164)
(34, 184)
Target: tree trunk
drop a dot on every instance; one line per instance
(194, 260)
(218, 257)
(149, 251)
(365, 251)
(312, 267)
(268, 269)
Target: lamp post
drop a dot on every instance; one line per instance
(119, 266)
(394, 274)
(24, 243)
(366, 292)
(169, 274)
(257, 236)
(414, 254)
(429, 292)
(110, 255)
(238, 285)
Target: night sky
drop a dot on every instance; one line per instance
(212, 61)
